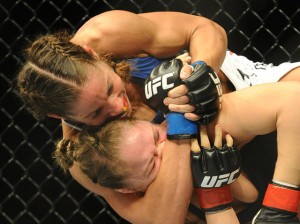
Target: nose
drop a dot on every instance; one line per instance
(115, 105)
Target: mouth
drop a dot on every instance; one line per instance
(125, 107)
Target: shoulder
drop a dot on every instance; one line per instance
(113, 17)
(107, 25)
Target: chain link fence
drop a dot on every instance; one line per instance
(33, 190)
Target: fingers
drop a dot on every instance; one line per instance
(186, 71)
(186, 108)
(204, 140)
(185, 58)
(178, 91)
(218, 137)
(192, 116)
(218, 142)
(229, 140)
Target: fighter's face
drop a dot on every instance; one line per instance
(142, 152)
(102, 97)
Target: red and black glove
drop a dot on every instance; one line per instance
(280, 205)
(213, 170)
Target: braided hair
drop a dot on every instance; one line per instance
(97, 154)
(55, 68)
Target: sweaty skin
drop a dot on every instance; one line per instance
(153, 34)
(245, 115)
(138, 35)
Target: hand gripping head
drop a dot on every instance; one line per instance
(162, 78)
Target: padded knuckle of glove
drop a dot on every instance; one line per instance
(162, 78)
(204, 91)
(200, 78)
(197, 95)
(215, 167)
(207, 107)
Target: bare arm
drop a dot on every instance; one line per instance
(168, 196)
(160, 34)
(262, 109)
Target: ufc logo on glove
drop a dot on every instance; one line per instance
(204, 88)
(218, 181)
(151, 87)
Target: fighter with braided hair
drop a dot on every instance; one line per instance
(141, 154)
(282, 197)
(90, 92)
(110, 161)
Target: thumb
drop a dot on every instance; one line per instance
(186, 71)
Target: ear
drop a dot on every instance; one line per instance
(54, 116)
(125, 190)
(90, 51)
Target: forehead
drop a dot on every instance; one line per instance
(137, 144)
(138, 132)
(99, 78)
(94, 91)
(98, 75)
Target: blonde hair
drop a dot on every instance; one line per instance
(97, 154)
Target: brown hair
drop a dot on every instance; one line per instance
(54, 69)
(97, 154)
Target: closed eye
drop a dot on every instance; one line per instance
(110, 89)
(96, 113)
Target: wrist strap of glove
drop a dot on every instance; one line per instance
(282, 197)
(178, 127)
(198, 63)
(215, 199)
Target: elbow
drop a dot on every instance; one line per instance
(223, 39)
(218, 31)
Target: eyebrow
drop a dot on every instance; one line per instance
(92, 113)
(148, 170)
(110, 88)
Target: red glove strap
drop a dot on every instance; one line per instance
(213, 197)
(282, 198)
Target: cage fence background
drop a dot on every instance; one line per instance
(33, 190)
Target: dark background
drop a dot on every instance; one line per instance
(32, 189)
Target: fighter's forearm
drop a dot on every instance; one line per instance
(168, 196)
(208, 43)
